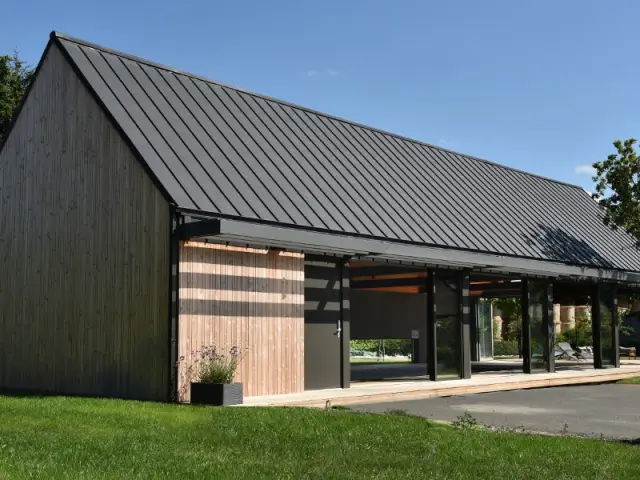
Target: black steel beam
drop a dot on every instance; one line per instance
(496, 287)
(199, 229)
(391, 282)
(381, 270)
(261, 234)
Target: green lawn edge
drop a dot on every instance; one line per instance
(63, 437)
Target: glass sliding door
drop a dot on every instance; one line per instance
(607, 330)
(448, 325)
(537, 325)
(484, 328)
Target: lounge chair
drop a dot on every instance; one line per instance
(563, 349)
(585, 353)
(628, 352)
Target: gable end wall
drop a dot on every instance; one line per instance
(84, 251)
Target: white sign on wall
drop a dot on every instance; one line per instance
(415, 334)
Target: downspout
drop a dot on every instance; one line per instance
(174, 306)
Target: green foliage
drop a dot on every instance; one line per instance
(85, 438)
(464, 422)
(211, 365)
(448, 341)
(511, 309)
(581, 335)
(617, 189)
(364, 345)
(575, 337)
(15, 77)
(397, 346)
(392, 346)
(505, 348)
(398, 412)
(630, 381)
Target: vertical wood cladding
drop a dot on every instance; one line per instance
(84, 250)
(253, 299)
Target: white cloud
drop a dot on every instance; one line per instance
(325, 72)
(584, 170)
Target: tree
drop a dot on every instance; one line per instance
(618, 189)
(511, 310)
(15, 77)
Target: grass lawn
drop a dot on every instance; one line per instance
(61, 437)
(630, 381)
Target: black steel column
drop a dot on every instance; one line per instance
(475, 343)
(432, 359)
(526, 328)
(345, 324)
(615, 329)
(549, 329)
(465, 324)
(174, 307)
(596, 323)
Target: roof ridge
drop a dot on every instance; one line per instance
(145, 61)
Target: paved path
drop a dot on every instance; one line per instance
(609, 411)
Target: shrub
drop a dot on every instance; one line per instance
(465, 421)
(575, 337)
(391, 346)
(505, 348)
(213, 366)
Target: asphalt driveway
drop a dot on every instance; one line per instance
(602, 411)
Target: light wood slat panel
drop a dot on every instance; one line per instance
(84, 251)
(250, 298)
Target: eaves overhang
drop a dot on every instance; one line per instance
(220, 230)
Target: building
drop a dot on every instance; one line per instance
(145, 212)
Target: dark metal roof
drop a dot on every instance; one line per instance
(221, 150)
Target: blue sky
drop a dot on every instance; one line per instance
(544, 86)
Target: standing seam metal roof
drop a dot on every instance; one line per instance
(221, 150)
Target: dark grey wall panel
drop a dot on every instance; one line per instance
(225, 151)
(322, 318)
(388, 315)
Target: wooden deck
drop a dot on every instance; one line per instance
(373, 392)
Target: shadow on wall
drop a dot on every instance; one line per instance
(556, 244)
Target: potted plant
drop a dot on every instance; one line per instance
(215, 373)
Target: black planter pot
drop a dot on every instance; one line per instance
(216, 393)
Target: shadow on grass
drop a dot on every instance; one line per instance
(35, 394)
(633, 441)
